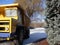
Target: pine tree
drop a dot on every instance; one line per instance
(53, 21)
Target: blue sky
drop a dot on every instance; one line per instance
(43, 4)
(6, 1)
(37, 16)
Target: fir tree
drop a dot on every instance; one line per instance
(53, 21)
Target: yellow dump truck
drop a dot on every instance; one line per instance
(12, 23)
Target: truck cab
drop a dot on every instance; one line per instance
(12, 22)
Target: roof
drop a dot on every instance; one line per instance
(6, 5)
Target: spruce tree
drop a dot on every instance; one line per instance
(53, 21)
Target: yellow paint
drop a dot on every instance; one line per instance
(5, 26)
(9, 19)
(9, 5)
(8, 38)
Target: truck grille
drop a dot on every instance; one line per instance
(2, 28)
(4, 23)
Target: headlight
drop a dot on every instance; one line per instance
(10, 11)
(7, 28)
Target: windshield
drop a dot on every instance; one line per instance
(6, 1)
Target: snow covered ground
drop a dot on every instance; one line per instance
(35, 34)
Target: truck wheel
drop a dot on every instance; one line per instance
(19, 33)
(26, 33)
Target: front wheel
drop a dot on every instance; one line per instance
(26, 33)
(19, 33)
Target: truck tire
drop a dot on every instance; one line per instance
(26, 33)
(19, 33)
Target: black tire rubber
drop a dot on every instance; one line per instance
(19, 33)
(26, 33)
